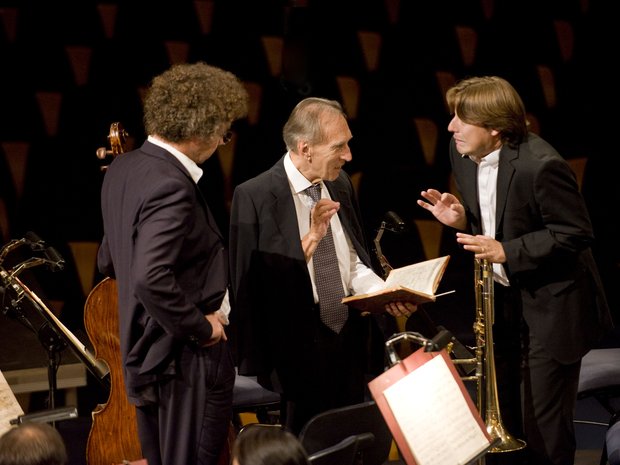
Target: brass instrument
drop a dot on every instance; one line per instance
(486, 381)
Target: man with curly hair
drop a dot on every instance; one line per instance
(163, 247)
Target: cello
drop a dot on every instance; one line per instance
(113, 438)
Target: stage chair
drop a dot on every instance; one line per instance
(600, 379)
(612, 443)
(250, 397)
(342, 453)
(363, 421)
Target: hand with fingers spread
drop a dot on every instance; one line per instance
(445, 207)
(319, 222)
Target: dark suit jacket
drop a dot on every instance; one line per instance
(544, 227)
(167, 255)
(273, 301)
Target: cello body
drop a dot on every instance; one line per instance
(113, 437)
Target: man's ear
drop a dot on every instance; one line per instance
(304, 149)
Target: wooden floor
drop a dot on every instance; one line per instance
(587, 457)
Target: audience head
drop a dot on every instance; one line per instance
(32, 444)
(267, 445)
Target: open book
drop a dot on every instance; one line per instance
(414, 283)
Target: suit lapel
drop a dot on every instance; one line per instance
(283, 209)
(504, 177)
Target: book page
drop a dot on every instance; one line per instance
(9, 407)
(434, 417)
(423, 276)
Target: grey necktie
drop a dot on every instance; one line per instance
(327, 275)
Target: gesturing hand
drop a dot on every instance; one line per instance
(445, 207)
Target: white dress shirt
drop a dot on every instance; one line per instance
(488, 167)
(357, 278)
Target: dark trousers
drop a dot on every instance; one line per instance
(332, 376)
(189, 424)
(537, 394)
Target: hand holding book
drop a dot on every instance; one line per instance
(414, 283)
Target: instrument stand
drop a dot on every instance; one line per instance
(423, 321)
(54, 345)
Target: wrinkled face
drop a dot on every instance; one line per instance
(474, 141)
(325, 160)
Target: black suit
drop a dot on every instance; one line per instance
(555, 298)
(167, 255)
(278, 321)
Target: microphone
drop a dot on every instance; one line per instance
(397, 223)
(46, 416)
(34, 241)
(55, 260)
(440, 341)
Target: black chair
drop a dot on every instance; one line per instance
(250, 396)
(363, 421)
(612, 442)
(600, 379)
(342, 453)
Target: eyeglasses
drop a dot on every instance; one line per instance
(227, 137)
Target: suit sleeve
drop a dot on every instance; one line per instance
(554, 225)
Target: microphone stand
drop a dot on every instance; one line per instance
(385, 266)
(397, 225)
(52, 334)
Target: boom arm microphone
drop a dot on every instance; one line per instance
(35, 242)
(396, 222)
(55, 260)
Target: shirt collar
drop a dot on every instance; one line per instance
(297, 180)
(190, 165)
(492, 159)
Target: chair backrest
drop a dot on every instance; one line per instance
(342, 453)
(363, 420)
(612, 443)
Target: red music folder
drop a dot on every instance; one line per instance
(432, 417)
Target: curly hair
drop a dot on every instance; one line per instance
(193, 100)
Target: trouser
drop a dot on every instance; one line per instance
(190, 422)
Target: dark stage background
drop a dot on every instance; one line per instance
(70, 69)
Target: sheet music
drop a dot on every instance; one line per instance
(422, 276)
(9, 407)
(434, 416)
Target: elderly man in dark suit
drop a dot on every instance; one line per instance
(523, 212)
(162, 245)
(275, 231)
